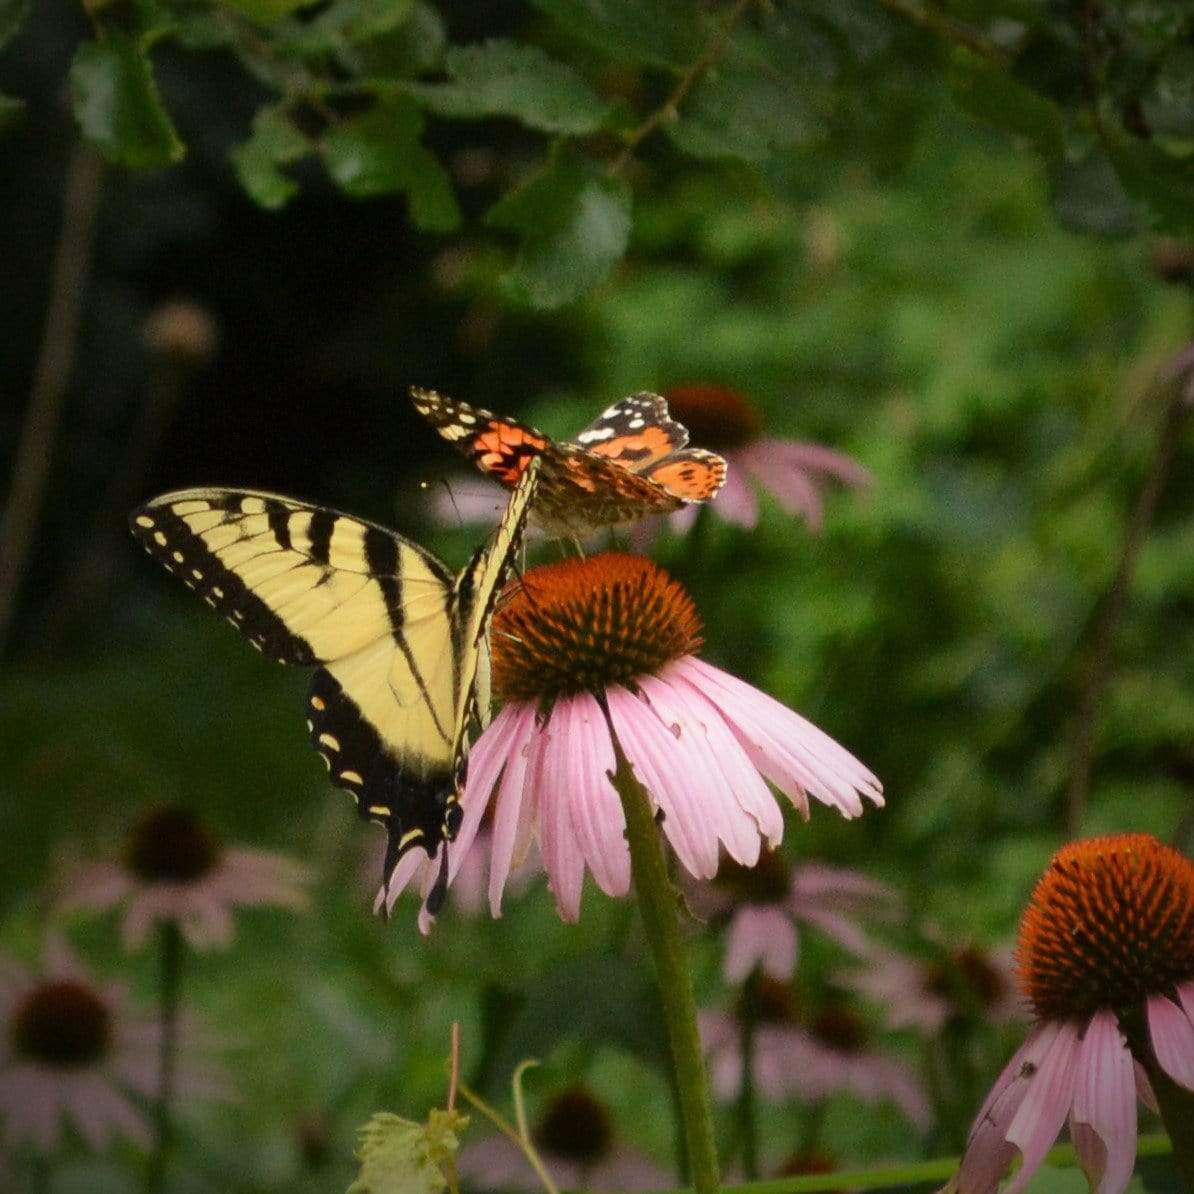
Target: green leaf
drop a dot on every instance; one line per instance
(416, 46)
(1162, 184)
(1089, 197)
(275, 142)
(663, 33)
(862, 25)
(504, 78)
(265, 12)
(574, 222)
(1169, 105)
(399, 1156)
(117, 104)
(743, 115)
(12, 17)
(341, 26)
(11, 110)
(996, 98)
(379, 153)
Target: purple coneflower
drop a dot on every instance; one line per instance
(175, 871)
(70, 1056)
(808, 1059)
(766, 904)
(584, 647)
(1106, 958)
(927, 993)
(577, 1144)
(794, 473)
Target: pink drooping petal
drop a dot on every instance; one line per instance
(513, 732)
(682, 521)
(736, 502)
(547, 776)
(1103, 1117)
(1046, 1102)
(670, 775)
(1144, 1090)
(1185, 994)
(582, 756)
(736, 828)
(1172, 1036)
(792, 752)
(988, 1151)
(829, 897)
(794, 489)
(98, 887)
(626, 1169)
(497, 1163)
(207, 923)
(100, 1111)
(815, 459)
(742, 779)
(30, 1107)
(760, 935)
(409, 869)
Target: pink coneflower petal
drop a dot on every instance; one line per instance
(515, 805)
(1185, 993)
(1103, 1118)
(1172, 1037)
(736, 503)
(793, 488)
(760, 935)
(670, 775)
(29, 1106)
(799, 456)
(1144, 1090)
(742, 779)
(100, 1111)
(736, 828)
(1043, 1110)
(562, 858)
(577, 761)
(988, 1151)
(99, 886)
(793, 753)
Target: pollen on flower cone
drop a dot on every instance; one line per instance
(584, 625)
(1110, 923)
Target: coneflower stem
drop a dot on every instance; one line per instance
(660, 912)
(748, 1128)
(1176, 1104)
(169, 976)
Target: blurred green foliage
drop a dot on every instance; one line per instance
(872, 219)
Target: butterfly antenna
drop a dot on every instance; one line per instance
(425, 485)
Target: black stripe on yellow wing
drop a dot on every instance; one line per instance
(477, 590)
(304, 584)
(401, 642)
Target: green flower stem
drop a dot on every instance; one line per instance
(913, 1174)
(748, 1127)
(660, 911)
(1177, 1114)
(169, 977)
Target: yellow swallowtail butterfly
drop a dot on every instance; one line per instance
(399, 644)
